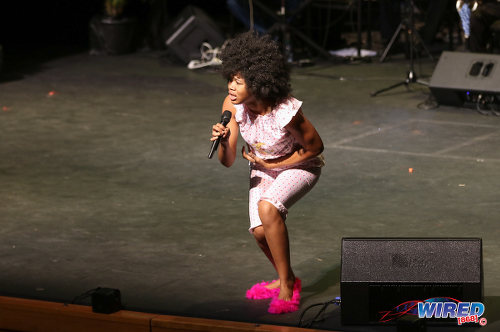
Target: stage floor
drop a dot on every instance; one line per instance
(105, 182)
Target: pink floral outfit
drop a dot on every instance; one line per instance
(268, 138)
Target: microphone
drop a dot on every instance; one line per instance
(225, 118)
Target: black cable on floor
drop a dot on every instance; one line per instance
(323, 308)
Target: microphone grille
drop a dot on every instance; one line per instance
(226, 117)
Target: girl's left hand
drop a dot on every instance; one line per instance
(251, 157)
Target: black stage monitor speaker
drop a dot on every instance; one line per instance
(466, 79)
(379, 274)
(189, 31)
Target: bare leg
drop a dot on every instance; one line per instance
(260, 237)
(277, 239)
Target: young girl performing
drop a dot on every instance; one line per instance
(283, 151)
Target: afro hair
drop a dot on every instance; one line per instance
(259, 60)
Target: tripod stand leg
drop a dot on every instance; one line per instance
(424, 83)
(393, 39)
(405, 82)
(417, 35)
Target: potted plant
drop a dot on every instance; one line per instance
(114, 8)
(114, 31)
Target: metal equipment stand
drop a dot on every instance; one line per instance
(282, 25)
(407, 24)
(411, 77)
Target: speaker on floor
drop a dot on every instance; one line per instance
(379, 275)
(466, 79)
(191, 28)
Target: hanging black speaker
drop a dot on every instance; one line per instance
(379, 275)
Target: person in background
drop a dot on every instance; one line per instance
(481, 19)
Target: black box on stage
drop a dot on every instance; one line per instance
(189, 31)
(380, 274)
(106, 300)
(466, 79)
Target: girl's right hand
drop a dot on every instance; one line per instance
(218, 130)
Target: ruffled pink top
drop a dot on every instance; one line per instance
(266, 134)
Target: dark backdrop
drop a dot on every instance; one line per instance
(65, 22)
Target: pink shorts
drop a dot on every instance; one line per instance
(281, 188)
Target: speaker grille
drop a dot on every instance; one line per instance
(378, 274)
(411, 260)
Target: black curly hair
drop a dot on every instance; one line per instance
(259, 60)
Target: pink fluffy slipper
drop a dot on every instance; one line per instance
(259, 291)
(278, 306)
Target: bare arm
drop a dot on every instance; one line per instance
(307, 136)
(229, 136)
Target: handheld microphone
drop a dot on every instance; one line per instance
(226, 117)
